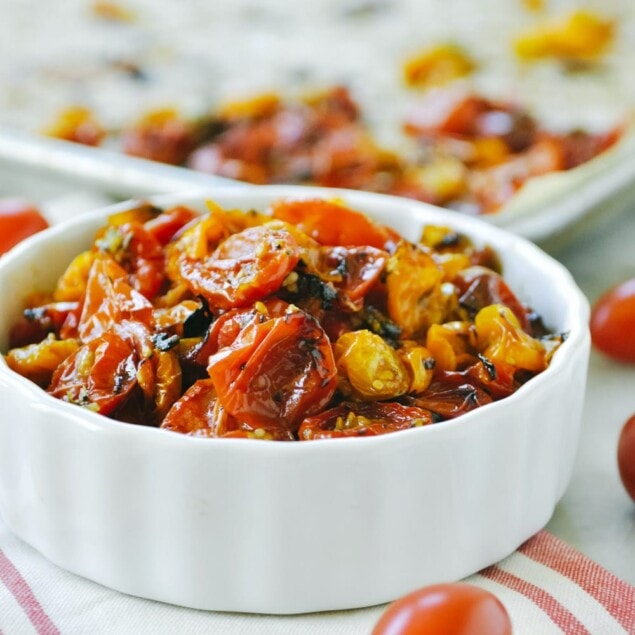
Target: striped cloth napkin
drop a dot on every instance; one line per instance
(547, 587)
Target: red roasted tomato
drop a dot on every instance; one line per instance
(246, 267)
(276, 371)
(100, 375)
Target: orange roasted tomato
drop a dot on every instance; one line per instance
(246, 267)
(165, 225)
(138, 252)
(331, 223)
(319, 323)
(450, 609)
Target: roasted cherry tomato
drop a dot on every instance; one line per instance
(276, 372)
(166, 224)
(331, 224)
(626, 456)
(100, 375)
(39, 361)
(138, 252)
(501, 339)
(613, 322)
(369, 368)
(446, 609)
(199, 413)
(353, 271)
(110, 300)
(19, 219)
(413, 277)
(161, 135)
(363, 419)
(247, 267)
(38, 321)
(451, 394)
(479, 287)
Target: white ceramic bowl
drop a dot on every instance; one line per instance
(246, 525)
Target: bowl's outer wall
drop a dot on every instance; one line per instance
(285, 528)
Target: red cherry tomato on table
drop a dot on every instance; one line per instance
(626, 456)
(446, 609)
(19, 219)
(613, 322)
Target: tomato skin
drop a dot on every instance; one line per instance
(362, 419)
(110, 300)
(479, 287)
(101, 374)
(451, 394)
(362, 267)
(19, 219)
(198, 412)
(164, 226)
(331, 224)
(247, 267)
(626, 456)
(450, 609)
(137, 251)
(613, 322)
(276, 371)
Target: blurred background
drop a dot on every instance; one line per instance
(157, 79)
(121, 58)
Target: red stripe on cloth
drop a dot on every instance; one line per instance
(23, 594)
(615, 595)
(559, 615)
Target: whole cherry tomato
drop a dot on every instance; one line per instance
(626, 456)
(450, 609)
(613, 322)
(19, 219)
